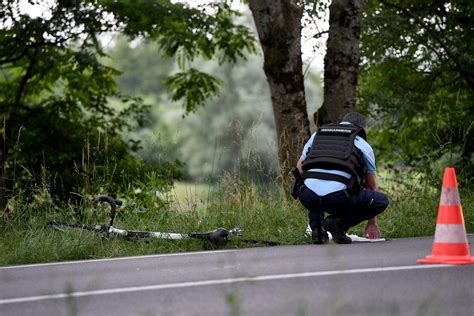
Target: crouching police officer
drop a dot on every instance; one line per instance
(337, 168)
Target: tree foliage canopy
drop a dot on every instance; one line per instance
(418, 80)
(54, 87)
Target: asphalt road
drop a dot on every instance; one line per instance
(358, 279)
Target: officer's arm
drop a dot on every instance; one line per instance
(306, 149)
(299, 165)
(372, 230)
(371, 181)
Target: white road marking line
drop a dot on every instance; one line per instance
(215, 282)
(213, 252)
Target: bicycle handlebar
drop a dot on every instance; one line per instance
(113, 206)
(107, 198)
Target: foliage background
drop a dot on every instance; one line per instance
(417, 84)
(97, 116)
(234, 132)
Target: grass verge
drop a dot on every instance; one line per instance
(262, 211)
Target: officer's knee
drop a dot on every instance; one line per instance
(383, 201)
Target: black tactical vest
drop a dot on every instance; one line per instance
(333, 148)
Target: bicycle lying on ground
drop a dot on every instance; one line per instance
(216, 238)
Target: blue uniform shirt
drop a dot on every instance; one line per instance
(324, 187)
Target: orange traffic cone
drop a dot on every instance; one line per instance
(450, 242)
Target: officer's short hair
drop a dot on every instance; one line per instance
(355, 118)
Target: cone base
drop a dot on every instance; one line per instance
(447, 260)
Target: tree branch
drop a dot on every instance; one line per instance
(33, 46)
(460, 68)
(319, 34)
(26, 77)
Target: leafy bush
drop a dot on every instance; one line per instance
(416, 82)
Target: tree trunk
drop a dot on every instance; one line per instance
(278, 25)
(341, 63)
(3, 194)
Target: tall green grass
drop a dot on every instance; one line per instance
(414, 204)
(263, 211)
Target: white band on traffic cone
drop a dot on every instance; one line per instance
(450, 233)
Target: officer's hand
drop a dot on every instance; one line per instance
(372, 231)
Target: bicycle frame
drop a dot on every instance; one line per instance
(217, 237)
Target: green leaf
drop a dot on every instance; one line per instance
(193, 87)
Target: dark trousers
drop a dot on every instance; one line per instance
(351, 210)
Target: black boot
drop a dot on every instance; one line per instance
(334, 226)
(319, 236)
